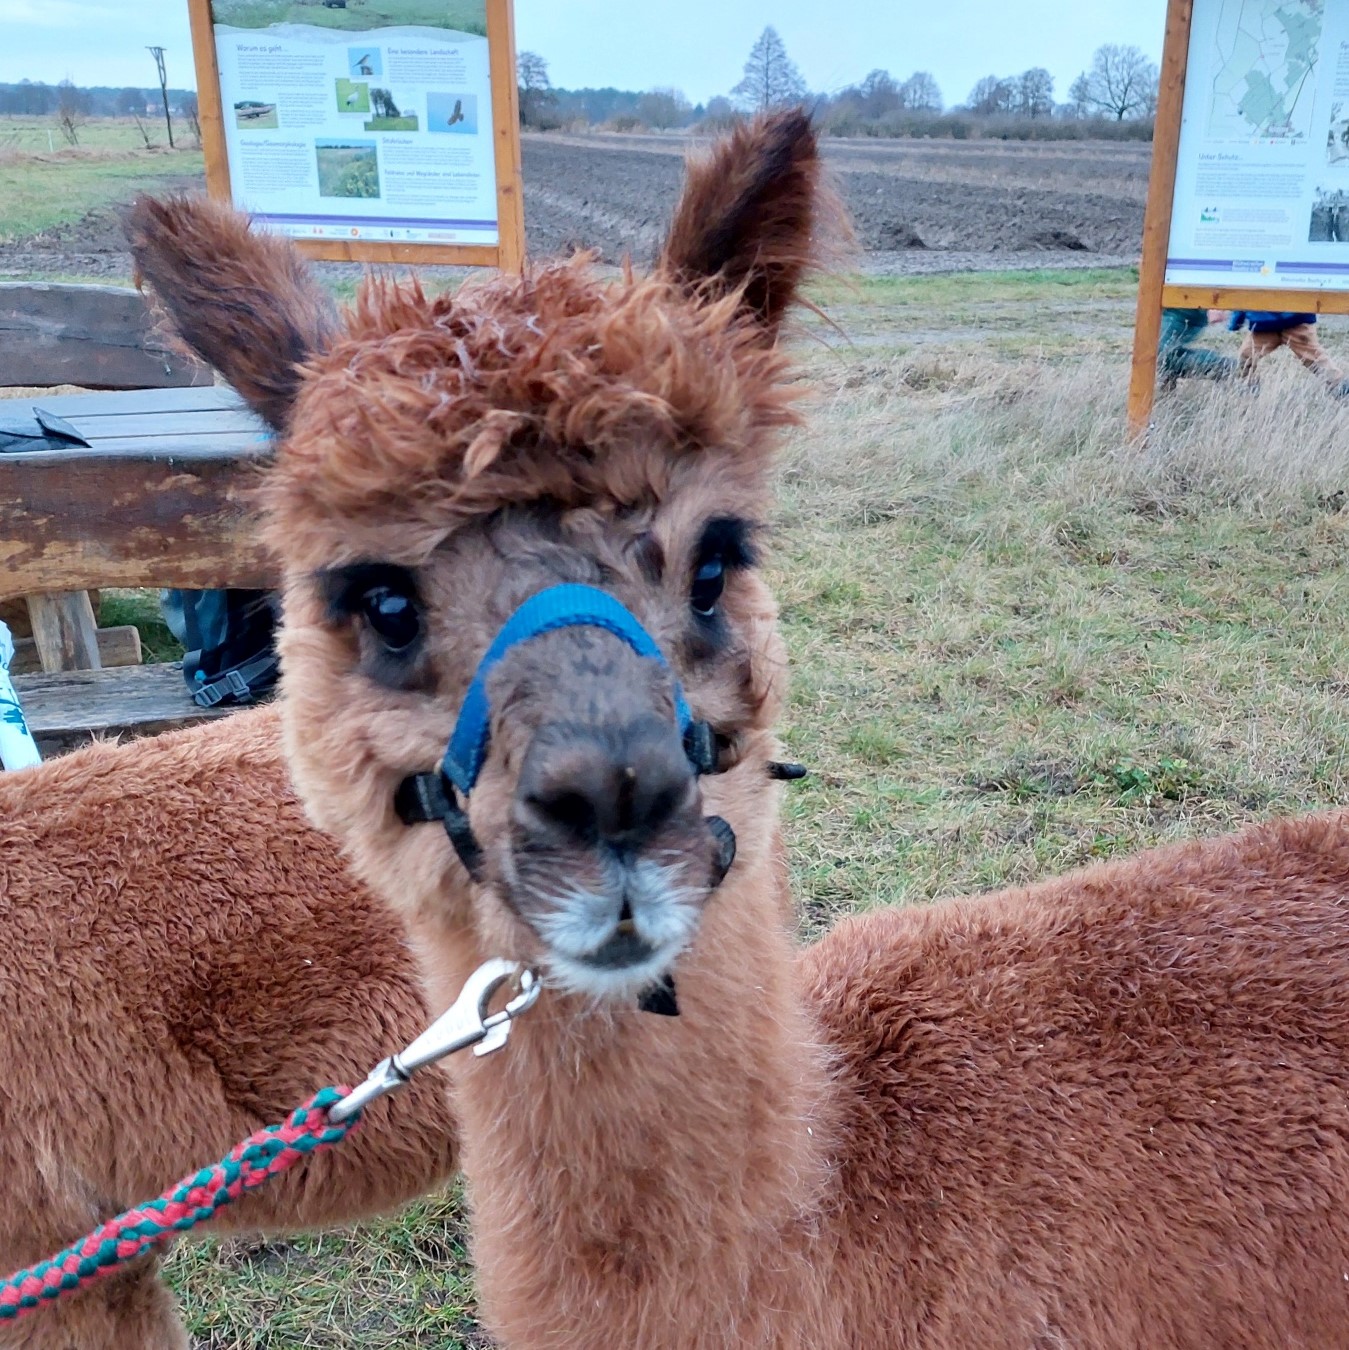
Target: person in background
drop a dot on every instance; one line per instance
(1179, 358)
(1271, 329)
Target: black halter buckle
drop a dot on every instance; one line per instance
(660, 998)
(700, 745)
(424, 797)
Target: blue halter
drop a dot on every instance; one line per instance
(425, 797)
(565, 606)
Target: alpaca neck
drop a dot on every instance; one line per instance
(634, 1177)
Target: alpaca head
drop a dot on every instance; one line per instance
(440, 462)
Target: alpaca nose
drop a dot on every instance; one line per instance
(611, 785)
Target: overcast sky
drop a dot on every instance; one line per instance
(698, 46)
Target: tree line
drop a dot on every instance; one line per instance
(33, 98)
(1116, 94)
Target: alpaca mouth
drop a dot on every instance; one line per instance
(621, 951)
(615, 939)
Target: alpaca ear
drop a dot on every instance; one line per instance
(243, 301)
(747, 219)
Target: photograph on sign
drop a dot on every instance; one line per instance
(360, 120)
(1262, 174)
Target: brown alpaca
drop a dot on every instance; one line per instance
(185, 960)
(1108, 1111)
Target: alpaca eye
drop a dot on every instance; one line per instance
(708, 582)
(393, 617)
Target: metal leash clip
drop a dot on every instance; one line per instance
(467, 1023)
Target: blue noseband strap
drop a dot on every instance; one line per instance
(567, 606)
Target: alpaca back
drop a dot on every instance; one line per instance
(1109, 1110)
(186, 959)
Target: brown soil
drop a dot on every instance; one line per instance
(91, 247)
(918, 206)
(986, 203)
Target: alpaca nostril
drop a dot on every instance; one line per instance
(613, 785)
(569, 810)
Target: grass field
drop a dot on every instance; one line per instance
(39, 135)
(1018, 645)
(40, 188)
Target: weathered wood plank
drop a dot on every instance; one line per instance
(64, 630)
(77, 406)
(102, 337)
(147, 449)
(1157, 216)
(73, 520)
(120, 646)
(65, 710)
(152, 424)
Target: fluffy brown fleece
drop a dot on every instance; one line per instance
(185, 960)
(1110, 1111)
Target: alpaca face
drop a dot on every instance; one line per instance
(597, 858)
(441, 461)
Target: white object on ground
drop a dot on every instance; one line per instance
(17, 747)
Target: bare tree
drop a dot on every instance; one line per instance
(158, 54)
(878, 94)
(1079, 96)
(920, 93)
(189, 108)
(992, 95)
(1035, 93)
(771, 79)
(720, 113)
(536, 89)
(664, 108)
(1122, 82)
(71, 107)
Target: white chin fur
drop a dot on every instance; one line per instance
(603, 984)
(577, 923)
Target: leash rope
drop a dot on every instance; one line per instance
(322, 1122)
(261, 1156)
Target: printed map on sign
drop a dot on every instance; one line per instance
(1264, 88)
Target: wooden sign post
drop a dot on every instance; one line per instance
(1236, 157)
(393, 144)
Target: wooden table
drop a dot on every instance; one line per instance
(157, 498)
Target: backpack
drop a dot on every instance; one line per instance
(230, 642)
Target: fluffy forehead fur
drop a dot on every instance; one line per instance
(559, 387)
(415, 415)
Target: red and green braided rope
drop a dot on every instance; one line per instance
(259, 1158)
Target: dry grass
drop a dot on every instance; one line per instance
(1021, 643)
(43, 189)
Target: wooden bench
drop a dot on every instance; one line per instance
(98, 337)
(155, 497)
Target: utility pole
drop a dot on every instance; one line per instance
(158, 54)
